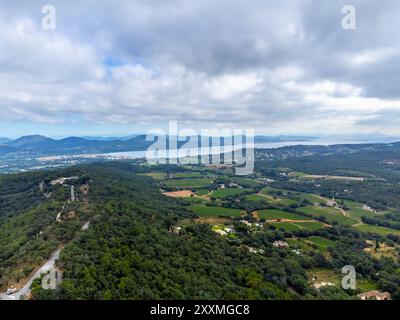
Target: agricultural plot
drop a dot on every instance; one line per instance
(377, 229)
(356, 210)
(191, 200)
(221, 193)
(208, 211)
(202, 192)
(187, 175)
(188, 183)
(322, 243)
(155, 175)
(298, 226)
(331, 214)
(326, 275)
(256, 198)
(278, 196)
(248, 183)
(273, 214)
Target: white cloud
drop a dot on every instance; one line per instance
(280, 67)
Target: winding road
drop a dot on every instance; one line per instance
(25, 290)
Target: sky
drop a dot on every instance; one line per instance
(123, 67)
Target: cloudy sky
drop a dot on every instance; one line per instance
(121, 67)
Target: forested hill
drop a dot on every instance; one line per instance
(129, 251)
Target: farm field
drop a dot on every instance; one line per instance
(187, 175)
(331, 214)
(321, 243)
(298, 226)
(179, 194)
(246, 182)
(377, 229)
(188, 183)
(225, 192)
(202, 192)
(208, 211)
(155, 175)
(257, 198)
(273, 214)
(326, 275)
(356, 210)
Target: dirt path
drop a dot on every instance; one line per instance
(290, 220)
(345, 213)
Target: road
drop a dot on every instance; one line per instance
(25, 290)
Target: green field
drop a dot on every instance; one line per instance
(187, 175)
(188, 183)
(326, 275)
(297, 226)
(356, 210)
(321, 243)
(206, 211)
(311, 197)
(221, 193)
(331, 214)
(190, 200)
(155, 175)
(377, 229)
(272, 214)
(278, 196)
(202, 192)
(247, 183)
(256, 198)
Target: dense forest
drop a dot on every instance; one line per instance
(131, 252)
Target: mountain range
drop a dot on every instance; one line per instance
(40, 144)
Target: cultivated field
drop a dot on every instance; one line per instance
(208, 211)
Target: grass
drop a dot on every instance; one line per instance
(298, 226)
(206, 211)
(297, 174)
(326, 275)
(377, 229)
(221, 193)
(155, 175)
(331, 214)
(190, 200)
(256, 198)
(202, 192)
(271, 214)
(188, 183)
(187, 175)
(321, 243)
(246, 182)
(356, 210)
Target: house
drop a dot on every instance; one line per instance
(375, 295)
(323, 284)
(280, 244)
(255, 250)
(368, 208)
(331, 203)
(62, 180)
(221, 232)
(228, 230)
(245, 222)
(176, 229)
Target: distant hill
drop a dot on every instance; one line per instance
(42, 145)
(4, 140)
